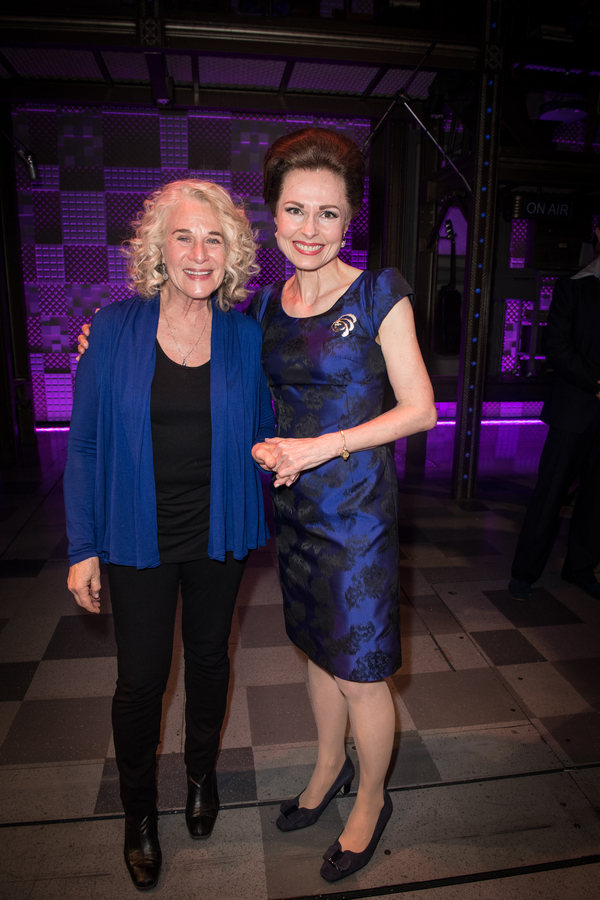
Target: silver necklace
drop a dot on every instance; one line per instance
(183, 358)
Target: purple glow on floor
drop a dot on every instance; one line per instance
(439, 422)
(504, 451)
(496, 422)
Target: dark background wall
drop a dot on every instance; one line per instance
(96, 167)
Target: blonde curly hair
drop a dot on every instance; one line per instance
(144, 250)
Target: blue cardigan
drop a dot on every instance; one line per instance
(110, 494)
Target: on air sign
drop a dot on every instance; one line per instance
(544, 207)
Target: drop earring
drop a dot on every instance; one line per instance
(161, 267)
(343, 244)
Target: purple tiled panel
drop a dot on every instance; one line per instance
(34, 332)
(173, 141)
(233, 72)
(97, 167)
(219, 176)
(32, 299)
(246, 183)
(131, 179)
(26, 220)
(55, 334)
(518, 243)
(272, 265)
(83, 217)
(121, 209)
(86, 264)
(249, 141)
(56, 363)
(174, 174)
(80, 139)
(209, 142)
(42, 135)
(131, 139)
(117, 269)
(548, 282)
(46, 217)
(50, 263)
(358, 259)
(85, 299)
(512, 319)
(180, 68)
(328, 78)
(45, 62)
(118, 292)
(59, 396)
(360, 229)
(22, 180)
(52, 300)
(28, 256)
(75, 324)
(571, 136)
(393, 80)
(49, 177)
(39, 395)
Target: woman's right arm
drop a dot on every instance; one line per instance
(80, 479)
(84, 583)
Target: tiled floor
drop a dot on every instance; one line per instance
(495, 778)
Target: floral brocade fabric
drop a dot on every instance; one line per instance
(336, 526)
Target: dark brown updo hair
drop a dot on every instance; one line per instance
(314, 148)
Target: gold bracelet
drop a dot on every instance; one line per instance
(344, 454)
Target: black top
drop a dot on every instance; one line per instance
(181, 443)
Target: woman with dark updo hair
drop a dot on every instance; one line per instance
(331, 335)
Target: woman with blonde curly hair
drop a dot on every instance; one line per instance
(160, 485)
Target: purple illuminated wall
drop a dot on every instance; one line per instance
(96, 166)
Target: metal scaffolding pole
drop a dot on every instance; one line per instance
(480, 241)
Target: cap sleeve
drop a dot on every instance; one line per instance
(389, 288)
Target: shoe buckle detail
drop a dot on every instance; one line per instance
(339, 856)
(290, 812)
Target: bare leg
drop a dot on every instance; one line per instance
(372, 719)
(331, 714)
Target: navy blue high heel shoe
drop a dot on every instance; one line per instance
(339, 863)
(293, 816)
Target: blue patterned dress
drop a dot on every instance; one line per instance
(336, 526)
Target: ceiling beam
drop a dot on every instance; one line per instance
(96, 94)
(352, 42)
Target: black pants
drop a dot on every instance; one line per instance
(144, 603)
(565, 455)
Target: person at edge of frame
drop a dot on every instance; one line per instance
(572, 447)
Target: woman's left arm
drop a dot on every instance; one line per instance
(415, 410)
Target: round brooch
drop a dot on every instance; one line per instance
(344, 325)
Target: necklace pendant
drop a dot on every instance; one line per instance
(183, 363)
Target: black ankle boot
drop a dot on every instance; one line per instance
(202, 804)
(142, 850)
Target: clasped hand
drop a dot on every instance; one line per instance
(287, 457)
